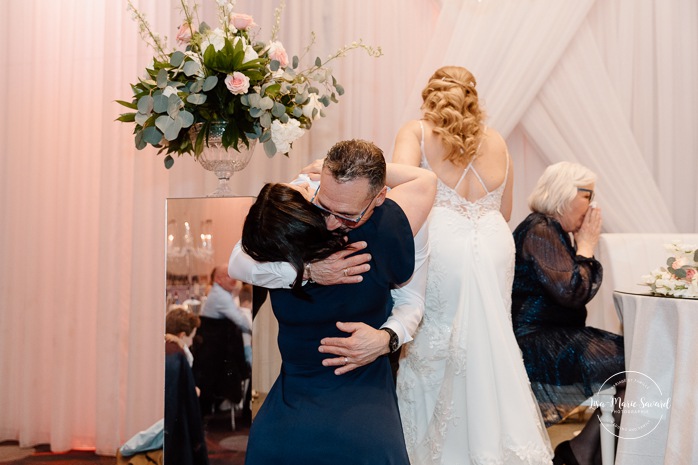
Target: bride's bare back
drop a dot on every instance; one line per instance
(489, 169)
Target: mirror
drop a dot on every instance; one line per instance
(201, 233)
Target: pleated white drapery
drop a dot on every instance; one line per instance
(609, 84)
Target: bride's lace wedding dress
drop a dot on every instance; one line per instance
(463, 392)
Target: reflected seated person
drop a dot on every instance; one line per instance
(220, 365)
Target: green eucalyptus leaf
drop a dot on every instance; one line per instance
(295, 62)
(177, 58)
(266, 135)
(244, 100)
(186, 118)
(314, 114)
(297, 112)
(196, 99)
(169, 126)
(145, 104)
(210, 83)
(196, 86)
(270, 148)
(162, 78)
(160, 103)
(265, 120)
(695, 256)
(318, 61)
(334, 98)
(191, 68)
(151, 134)
(203, 27)
(140, 118)
(284, 118)
(174, 103)
(274, 65)
(254, 100)
(266, 103)
(680, 273)
(325, 100)
(278, 109)
(256, 112)
(340, 89)
(313, 90)
(169, 161)
(140, 141)
(670, 261)
(301, 98)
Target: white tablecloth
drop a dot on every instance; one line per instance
(661, 346)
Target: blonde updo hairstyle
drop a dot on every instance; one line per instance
(450, 103)
(557, 187)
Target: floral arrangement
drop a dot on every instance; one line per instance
(225, 74)
(679, 278)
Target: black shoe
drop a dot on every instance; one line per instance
(564, 455)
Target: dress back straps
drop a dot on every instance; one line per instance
(471, 167)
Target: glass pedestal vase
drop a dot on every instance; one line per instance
(223, 162)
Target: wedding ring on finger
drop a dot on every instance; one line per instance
(346, 272)
(346, 360)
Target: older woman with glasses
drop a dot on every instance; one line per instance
(556, 274)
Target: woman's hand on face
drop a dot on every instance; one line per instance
(588, 235)
(314, 169)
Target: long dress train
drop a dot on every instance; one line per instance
(463, 392)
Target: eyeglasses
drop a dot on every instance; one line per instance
(327, 212)
(590, 191)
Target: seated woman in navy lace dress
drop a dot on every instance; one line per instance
(555, 277)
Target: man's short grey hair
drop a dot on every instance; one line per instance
(557, 187)
(355, 159)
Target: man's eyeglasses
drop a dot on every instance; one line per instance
(327, 212)
(590, 191)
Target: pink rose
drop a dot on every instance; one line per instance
(278, 53)
(690, 274)
(184, 34)
(237, 83)
(241, 21)
(678, 263)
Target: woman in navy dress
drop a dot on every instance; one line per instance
(566, 361)
(311, 415)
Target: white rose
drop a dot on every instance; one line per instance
(216, 37)
(283, 135)
(313, 103)
(250, 54)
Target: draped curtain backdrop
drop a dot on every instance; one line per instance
(610, 84)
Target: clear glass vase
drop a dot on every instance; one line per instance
(223, 162)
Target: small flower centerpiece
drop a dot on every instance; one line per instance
(680, 276)
(224, 80)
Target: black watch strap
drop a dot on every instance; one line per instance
(394, 342)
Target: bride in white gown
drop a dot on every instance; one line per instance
(463, 392)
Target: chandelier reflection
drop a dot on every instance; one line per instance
(189, 252)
